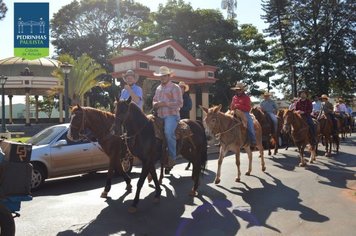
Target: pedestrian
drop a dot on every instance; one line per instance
(131, 89)
(270, 107)
(187, 101)
(242, 102)
(167, 101)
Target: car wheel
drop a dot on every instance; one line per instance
(38, 176)
(7, 223)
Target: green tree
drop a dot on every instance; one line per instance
(317, 38)
(45, 105)
(82, 77)
(3, 9)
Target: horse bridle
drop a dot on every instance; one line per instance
(81, 127)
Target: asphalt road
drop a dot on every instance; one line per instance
(284, 200)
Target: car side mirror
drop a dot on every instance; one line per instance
(60, 143)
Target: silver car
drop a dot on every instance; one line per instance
(54, 155)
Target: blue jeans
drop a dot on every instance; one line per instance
(170, 125)
(274, 120)
(250, 128)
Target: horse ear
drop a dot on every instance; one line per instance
(204, 109)
(79, 107)
(219, 107)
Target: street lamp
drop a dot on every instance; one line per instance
(3, 80)
(66, 67)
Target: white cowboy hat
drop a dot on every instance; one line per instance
(266, 94)
(163, 70)
(186, 86)
(238, 85)
(129, 73)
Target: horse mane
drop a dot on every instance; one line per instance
(139, 116)
(101, 117)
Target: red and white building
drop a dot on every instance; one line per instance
(168, 53)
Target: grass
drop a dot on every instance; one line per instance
(21, 139)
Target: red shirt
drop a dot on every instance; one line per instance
(242, 102)
(305, 106)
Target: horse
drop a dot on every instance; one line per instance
(143, 143)
(100, 123)
(344, 122)
(326, 135)
(300, 134)
(286, 136)
(269, 136)
(232, 134)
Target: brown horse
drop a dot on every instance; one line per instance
(143, 143)
(100, 124)
(294, 123)
(326, 135)
(269, 136)
(286, 136)
(232, 134)
(344, 124)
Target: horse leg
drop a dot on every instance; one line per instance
(221, 157)
(156, 182)
(195, 177)
(249, 155)
(276, 140)
(188, 166)
(140, 182)
(312, 154)
(107, 188)
(301, 156)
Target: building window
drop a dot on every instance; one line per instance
(210, 74)
(143, 65)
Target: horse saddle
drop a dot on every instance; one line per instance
(182, 131)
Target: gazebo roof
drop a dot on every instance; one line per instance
(42, 67)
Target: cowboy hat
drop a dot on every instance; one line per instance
(266, 94)
(163, 70)
(129, 73)
(302, 91)
(238, 86)
(325, 96)
(186, 86)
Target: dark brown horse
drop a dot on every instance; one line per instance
(142, 143)
(269, 135)
(294, 123)
(285, 135)
(326, 135)
(100, 123)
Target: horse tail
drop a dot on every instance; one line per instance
(204, 154)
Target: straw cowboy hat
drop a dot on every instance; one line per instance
(186, 86)
(267, 94)
(325, 96)
(238, 86)
(340, 100)
(129, 73)
(163, 70)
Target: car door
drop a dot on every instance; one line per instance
(99, 159)
(71, 158)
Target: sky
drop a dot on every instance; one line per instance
(248, 11)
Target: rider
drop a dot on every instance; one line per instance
(304, 107)
(316, 106)
(327, 109)
(187, 101)
(270, 107)
(131, 89)
(167, 101)
(242, 102)
(341, 109)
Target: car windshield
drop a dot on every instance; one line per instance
(46, 136)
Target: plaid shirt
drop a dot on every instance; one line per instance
(172, 95)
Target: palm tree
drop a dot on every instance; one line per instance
(82, 77)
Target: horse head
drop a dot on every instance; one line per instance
(287, 120)
(212, 117)
(76, 127)
(121, 114)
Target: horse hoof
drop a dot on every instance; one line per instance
(217, 181)
(104, 194)
(302, 164)
(248, 173)
(193, 193)
(264, 169)
(132, 209)
(156, 200)
(237, 180)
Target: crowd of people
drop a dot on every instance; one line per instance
(172, 102)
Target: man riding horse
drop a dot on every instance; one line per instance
(327, 110)
(304, 107)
